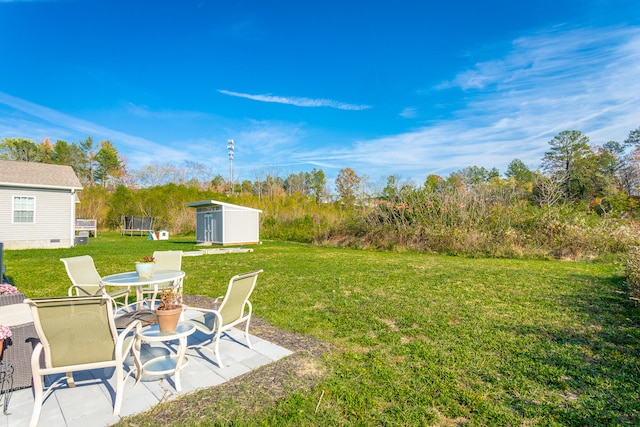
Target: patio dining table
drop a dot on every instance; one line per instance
(131, 278)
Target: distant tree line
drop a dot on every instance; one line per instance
(563, 208)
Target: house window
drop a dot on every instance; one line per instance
(24, 209)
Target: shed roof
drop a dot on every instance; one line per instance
(15, 173)
(217, 203)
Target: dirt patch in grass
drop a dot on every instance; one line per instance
(247, 393)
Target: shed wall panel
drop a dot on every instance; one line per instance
(199, 226)
(240, 226)
(217, 227)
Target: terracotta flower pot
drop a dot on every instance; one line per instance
(168, 319)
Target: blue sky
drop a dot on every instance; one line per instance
(384, 87)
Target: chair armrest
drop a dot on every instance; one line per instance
(35, 358)
(199, 321)
(204, 310)
(126, 338)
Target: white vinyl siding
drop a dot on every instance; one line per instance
(24, 209)
(240, 226)
(54, 219)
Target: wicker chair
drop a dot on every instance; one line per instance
(18, 348)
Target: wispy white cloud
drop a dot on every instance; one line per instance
(298, 102)
(144, 111)
(583, 79)
(409, 113)
(272, 143)
(546, 82)
(53, 122)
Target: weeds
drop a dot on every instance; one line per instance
(632, 261)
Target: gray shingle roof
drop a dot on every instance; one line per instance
(39, 175)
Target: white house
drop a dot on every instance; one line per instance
(37, 205)
(226, 224)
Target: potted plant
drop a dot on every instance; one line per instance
(145, 267)
(5, 333)
(170, 309)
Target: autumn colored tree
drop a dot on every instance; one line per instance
(347, 184)
(46, 150)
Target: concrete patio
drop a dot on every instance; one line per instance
(90, 403)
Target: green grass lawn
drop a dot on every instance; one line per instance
(417, 339)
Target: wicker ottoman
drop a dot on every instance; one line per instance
(17, 349)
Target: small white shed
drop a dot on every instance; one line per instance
(225, 223)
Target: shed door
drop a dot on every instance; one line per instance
(209, 226)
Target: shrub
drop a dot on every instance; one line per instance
(633, 272)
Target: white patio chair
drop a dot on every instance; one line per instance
(76, 334)
(234, 310)
(85, 279)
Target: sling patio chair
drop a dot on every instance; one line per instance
(76, 334)
(85, 279)
(165, 260)
(234, 309)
